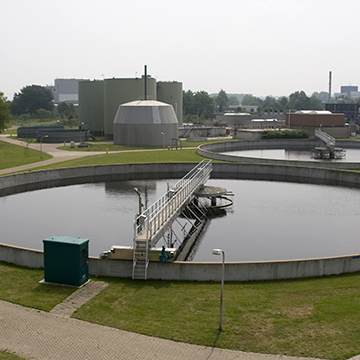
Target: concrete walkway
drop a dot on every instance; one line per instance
(35, 334)
(57, 155)
(79, 298)
(51, 149)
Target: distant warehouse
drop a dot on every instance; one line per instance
(248, 121)
(309, 120)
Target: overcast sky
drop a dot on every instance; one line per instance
(260, 47)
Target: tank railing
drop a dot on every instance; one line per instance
(326, 138)
(157, 214)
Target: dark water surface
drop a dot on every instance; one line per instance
(268, 221)
(352, 155)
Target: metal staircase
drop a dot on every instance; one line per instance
(150, 226)
(328, 152)
(326, 138)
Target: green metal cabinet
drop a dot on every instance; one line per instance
(66, 260)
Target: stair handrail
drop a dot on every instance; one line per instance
(174, 197)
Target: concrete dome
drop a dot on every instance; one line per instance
(145, 123)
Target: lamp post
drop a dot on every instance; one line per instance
(219, 252)
(41, 137)
(140, 203)
(289, 119)
(163, 134)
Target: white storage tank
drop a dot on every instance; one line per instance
(145, 123)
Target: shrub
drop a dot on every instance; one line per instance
(285, 134)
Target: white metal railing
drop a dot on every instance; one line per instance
(159, 213)
(326, 138)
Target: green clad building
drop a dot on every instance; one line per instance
(91, 111)
(99, 100)
(170, 92)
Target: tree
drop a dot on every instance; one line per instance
(5, 116)
(66, 109)
(316, 103)
(30, 99)
(187, 101)
(299, 101)
(249, 99)
(203, 104)
(234, 101)
(283, 101)
(44, 114)
(199, 103)
(323, 96)
(222, 100)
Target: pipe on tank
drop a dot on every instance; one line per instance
(145, 70)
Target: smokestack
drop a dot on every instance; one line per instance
(329, 86)
(145, 69)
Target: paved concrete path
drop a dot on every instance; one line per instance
(35, 334)
(78, 298)
(57, 155)
(51, 149)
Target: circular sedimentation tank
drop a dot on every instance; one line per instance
(237, 271)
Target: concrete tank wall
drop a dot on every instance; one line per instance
(120, 91)
(200, 271)
(171, 92)
(234, 271)
(213, 151)
(91, 105)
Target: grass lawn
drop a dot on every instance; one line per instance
(95, 146)
(10, 132)
(309, 317)
(15, 155)
(153, 156)
(21, 286)
(4, 355)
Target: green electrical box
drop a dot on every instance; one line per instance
(66, 260)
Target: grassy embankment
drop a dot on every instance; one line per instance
(307, 317)
(16, 155)
(12, 155)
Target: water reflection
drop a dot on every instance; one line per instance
(268, 221)
(352, 155)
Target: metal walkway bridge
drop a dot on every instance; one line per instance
(150, 226)
(330, 151)
(326, 138)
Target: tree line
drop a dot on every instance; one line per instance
(37, 101)
(202, 105)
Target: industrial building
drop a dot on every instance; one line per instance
(309, 120)
(65, 90)
(248, 121)
(351, 111)
(145, 123)
(99, 100)
(350, 91)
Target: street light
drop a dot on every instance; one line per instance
(163, 134)
(140, 203)
(219, 252)
(41, 137)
